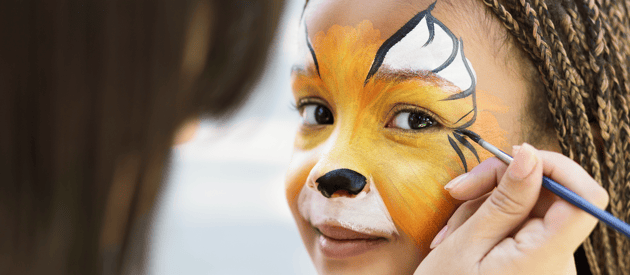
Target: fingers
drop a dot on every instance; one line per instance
(480, 180)
(572, 176)
(566, 223)
(508, 205)
(519, 195)
(461, 215)
(483, 178)
(544, 227)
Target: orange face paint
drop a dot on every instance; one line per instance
(408, 167)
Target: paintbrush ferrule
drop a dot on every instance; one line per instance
(562, 191)
(496, 151)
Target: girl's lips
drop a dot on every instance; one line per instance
(338, 242)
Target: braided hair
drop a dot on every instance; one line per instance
(582, 51)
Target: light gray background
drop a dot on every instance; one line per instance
(223, 210)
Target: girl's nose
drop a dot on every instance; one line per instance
(340, 180)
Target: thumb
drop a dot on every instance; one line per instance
(508, 205)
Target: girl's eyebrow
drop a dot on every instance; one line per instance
(303, 70)
(401, 75)
(299, 69)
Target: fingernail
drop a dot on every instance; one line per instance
(454, 182)
(439, 237)
(524, 162)
(515, 149)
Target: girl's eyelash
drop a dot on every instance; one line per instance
(411, 109)
(297, 106)
(307, 101)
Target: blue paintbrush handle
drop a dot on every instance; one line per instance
(583, 204)
(560, 190)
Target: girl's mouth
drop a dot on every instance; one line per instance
(338, 242)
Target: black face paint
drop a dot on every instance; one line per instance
(457, 48)
(406, 29)
(310, 48)
(465, 142)
(471, 91)
(459, 152)
(457, 53)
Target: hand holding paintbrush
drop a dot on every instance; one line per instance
(518, 227)
(558, 189)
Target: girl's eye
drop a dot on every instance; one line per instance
(316, 114)
(412, 120)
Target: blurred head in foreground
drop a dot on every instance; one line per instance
(92, 93)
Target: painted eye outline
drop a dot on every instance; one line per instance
(435, 121)
(309, 102)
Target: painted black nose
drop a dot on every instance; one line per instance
(340, 179)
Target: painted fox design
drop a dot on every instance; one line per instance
(378, 140)
(441, 53)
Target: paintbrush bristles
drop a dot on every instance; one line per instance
(476, 138)
(494, 150)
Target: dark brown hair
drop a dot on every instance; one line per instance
(91, 93)
(582, 51)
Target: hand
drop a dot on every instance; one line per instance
(517, 228)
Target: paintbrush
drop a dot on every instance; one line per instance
(557, 189)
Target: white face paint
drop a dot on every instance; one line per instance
(306, 55)
(457, 73)
(414, 54)
(365, 213)
(425, 44)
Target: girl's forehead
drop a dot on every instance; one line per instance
(461, 16)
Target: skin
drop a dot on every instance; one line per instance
(408, 168)
(517, 227)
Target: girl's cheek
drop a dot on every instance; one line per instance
(411, 185)
(302, 162)
(490, 110)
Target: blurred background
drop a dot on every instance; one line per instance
(223, 210)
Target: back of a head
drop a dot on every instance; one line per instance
(91, 93)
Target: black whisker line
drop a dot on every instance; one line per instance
(474, 118)
(470, 134)
(460, 119)
(468, 92)
(465, 142)
(459, 152)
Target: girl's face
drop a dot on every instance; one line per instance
(383, 89)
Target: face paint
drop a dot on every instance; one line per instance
(370, 85)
